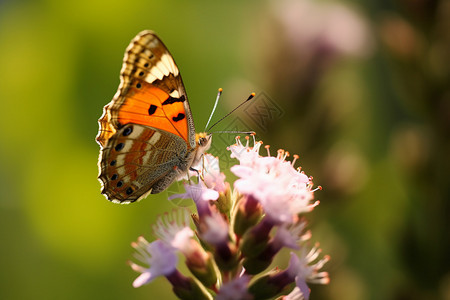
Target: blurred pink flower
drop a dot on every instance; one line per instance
(316, 25)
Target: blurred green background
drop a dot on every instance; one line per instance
(362, 94)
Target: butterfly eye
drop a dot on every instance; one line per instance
(203, 141)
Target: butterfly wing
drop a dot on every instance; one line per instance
(139, 160)
(147, 134)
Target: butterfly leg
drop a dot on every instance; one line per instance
(194, 170)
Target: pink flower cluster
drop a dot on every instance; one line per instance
(238, 232)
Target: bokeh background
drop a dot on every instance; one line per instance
(359, 89)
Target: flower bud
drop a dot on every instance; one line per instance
(266, 287)
(187, 288)
(206, 273)
(226, 256)
(248, 213)
(256, 240)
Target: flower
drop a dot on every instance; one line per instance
(238, 232)
(245, 154)
(197, 192)
(174, 230)
(160, 258)
(216, 230)
(304, 270)
(300, 270)
(282, 191)
(213, 178)
(290, 236)
(200, 194)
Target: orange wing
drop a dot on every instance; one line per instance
(151, 106)
(151, 93)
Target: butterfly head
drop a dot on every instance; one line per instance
(203, 143)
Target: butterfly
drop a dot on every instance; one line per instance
(147, 136)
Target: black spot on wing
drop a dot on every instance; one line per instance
(171, 100)
(127, 131)
(179, 117)
(152, 109)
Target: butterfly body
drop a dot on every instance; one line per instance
(147, 134)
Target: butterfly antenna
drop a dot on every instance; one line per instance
(214, 108)
(248, 99)
(234, 131)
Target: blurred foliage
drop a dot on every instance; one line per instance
(362, 92)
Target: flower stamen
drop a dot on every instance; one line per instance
(268, 151)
